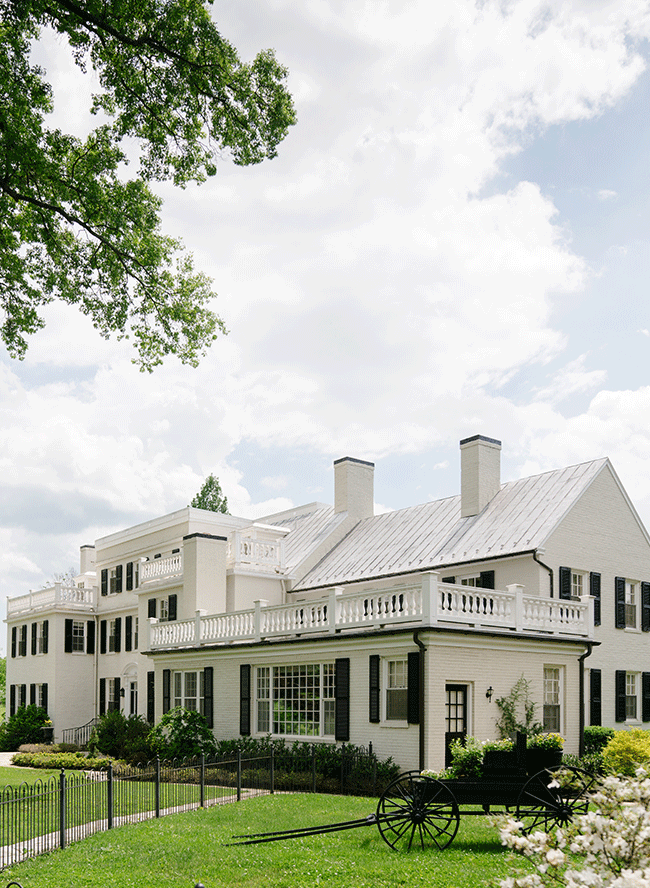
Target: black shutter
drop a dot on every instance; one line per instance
(645, 607)
(128, 633)
(12, 699)
(105, 581)
(374, 710)
(645, 696)
(118, 578)
(23, 695)
(620, 695)
(118, 635)
(44, 697)
(34, 638)
(67, 645)
(619, 598)
(342, 699)
(167, 688)
(102, 636)
(208, 676)
(595, 697)
(46, 635)
(23, 640)
(90, 637)
(14, 635)
(413, 687)
(102, 696)
(151, 607)
(245, 699)
(32, 695)
(594, 591)
(151, 697)
(117, 705)
(487, 579)
(171, 607)
(129, 576)
(449, 580)
(565, 582)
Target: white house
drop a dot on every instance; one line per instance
(330, 623)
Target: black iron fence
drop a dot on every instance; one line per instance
(52, 813)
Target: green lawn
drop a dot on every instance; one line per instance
(178, 851)
(15, 776)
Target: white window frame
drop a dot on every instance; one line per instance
(395, 695)
(163, 610)
(188, 689)
(473, 581)
(135, 633)
(78, 636)
(112, 636)
(113, 702)
(632, 604)
(633, 697)
(553, 694)
(39, 694)
(40, 638)
(274, 695)
(112, 581)
(579, 583)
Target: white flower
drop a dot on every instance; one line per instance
(555, 857)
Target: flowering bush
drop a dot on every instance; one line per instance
(503, 745)
(546, 741)
(626, 751)
(608, 847)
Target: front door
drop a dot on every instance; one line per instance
(455, 716)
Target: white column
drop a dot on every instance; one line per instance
(257, 619)
(518, 592)
(332, 608)
(197, 625)
(430, 597)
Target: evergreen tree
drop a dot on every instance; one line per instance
(210, 497)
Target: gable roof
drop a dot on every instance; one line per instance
(307, 529)
(433, 535)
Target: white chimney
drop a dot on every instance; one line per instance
(86, 559)
(480, 473)
(354, 491)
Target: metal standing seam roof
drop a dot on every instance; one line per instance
(306, 531)
(519, 518)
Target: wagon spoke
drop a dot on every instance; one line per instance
(554, 797)
(416, 807)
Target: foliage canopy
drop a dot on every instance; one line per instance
(211, 497)
(73, 226)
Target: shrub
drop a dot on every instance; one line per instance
(518, 711)
(466, 758)
(122, 738)
(627, 751)
(180, 734)
(597, 738)
(591, 762)
(74, 761)
(24, 726)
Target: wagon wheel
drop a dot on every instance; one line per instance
(417, 810)
(553, 797)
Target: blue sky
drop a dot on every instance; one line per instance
(453, 240)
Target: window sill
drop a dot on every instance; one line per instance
(394, 724)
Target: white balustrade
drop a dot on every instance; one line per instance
(161, 568)
(429, 603)
(59, 593)
(252, 554)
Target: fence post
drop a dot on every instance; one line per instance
(62, 809)
(157, 786)
(272, 774)
(239, 775)
(202, 779)
(109, 795)
(313, 768)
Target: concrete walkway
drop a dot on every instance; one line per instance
(6, 757)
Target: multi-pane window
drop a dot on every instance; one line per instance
(113, 694)
(396, 690)
(552, 699)
(631, 690)
(112, 635)
(189, 690)
(164, 610)
(78, 631)
(135, 633)
(296, 700)
(630, 604)
(577, 584)
(471, 581)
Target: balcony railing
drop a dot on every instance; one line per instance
(428, 603)
(167, 568)
(250, 553)
(58, 594)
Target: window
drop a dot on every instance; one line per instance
(471, 581)
(114, 685)
(42, 637)
(396, 690)
(78, 636)
(552, 698)
(631, 590)
(113, 635)
(577, 584)
(38, 695)
(135, 633)
(189, 690)
(296, 700)
(631, 691)
(115, 579)
(164, 610)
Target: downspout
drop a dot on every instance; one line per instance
(549, 569)
(581, 720)
(421, 695)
